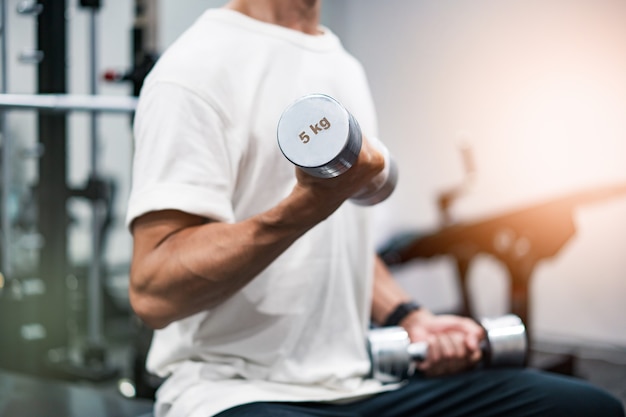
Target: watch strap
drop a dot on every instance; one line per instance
(400, 312)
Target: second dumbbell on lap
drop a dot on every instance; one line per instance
(318, 135)
(393, 356)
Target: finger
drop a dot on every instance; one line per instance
(460, 356)
(448, 346)
(371, 152)
(468, 326)
(430, 365)
(474, 349)
(435, 352)
(475, 356)
(471, 327)
(449, 361)
(474, 333)
(460, 345)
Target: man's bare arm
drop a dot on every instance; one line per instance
(387, 294)
(183, 264)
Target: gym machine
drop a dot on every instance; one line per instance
(34, 303)
(32, 319)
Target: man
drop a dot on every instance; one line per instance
(261, 279)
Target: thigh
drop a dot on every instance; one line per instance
(487, 393)
(484, 393)
(281, 409)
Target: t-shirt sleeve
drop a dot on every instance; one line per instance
(182, 159)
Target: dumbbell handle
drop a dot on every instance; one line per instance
(418, 351)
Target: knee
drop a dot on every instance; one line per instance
(575, 397)
(605, 404)
(613, 407)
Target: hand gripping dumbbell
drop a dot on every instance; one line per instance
(393, 356)
(318, 135)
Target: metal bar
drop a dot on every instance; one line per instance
(3, 48)
(147, 21)
(7, 180)
(144, 40)
(5, 221)
(51, 191)
(65, 103)
(94, 282)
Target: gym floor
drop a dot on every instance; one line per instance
(26, 396)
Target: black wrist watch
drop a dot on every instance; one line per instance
(400, 312)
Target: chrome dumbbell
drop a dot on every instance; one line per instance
(318, 135)
(393, 356)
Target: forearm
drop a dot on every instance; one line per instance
(198, 266)
(387, 293)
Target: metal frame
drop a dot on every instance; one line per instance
(94, 281)
(51, 192)
(64, 103)
(52, 104)
(5, 223)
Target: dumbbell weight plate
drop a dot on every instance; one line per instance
(317, 134)
(507, 340)
(388, 348)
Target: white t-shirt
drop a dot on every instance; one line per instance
(205, 137)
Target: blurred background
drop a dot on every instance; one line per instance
(536, 91)
(506, 119)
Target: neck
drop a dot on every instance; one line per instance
(300, 15)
